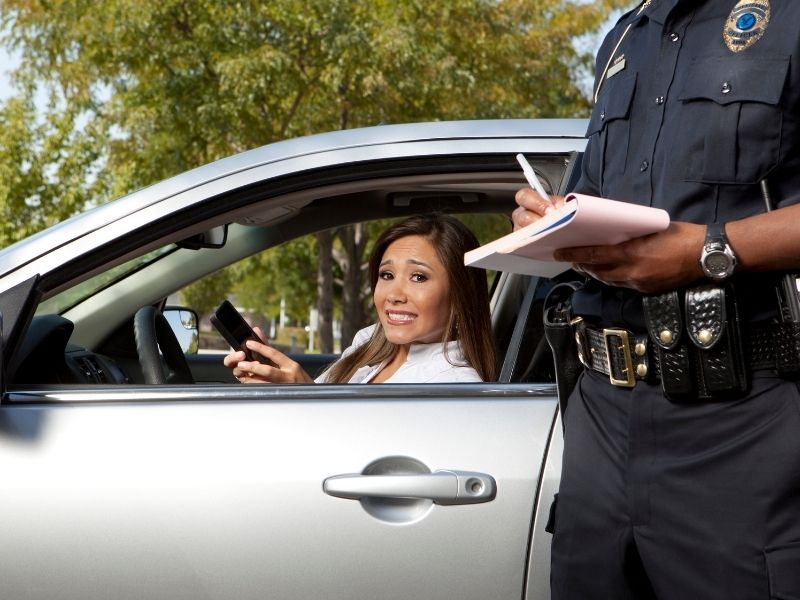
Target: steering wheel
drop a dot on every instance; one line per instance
(152, 330)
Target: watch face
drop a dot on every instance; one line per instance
(717, 263)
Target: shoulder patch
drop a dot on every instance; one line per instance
(746, 23)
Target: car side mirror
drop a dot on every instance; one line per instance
(184, 323)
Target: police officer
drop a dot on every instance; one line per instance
(681, 474)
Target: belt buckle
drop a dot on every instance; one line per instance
(622, 334)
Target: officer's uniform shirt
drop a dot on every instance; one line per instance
(696, 104)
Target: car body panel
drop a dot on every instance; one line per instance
(102, 225)
(172, 497)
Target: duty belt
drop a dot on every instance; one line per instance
(627, 357)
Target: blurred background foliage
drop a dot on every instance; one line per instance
(113, 95)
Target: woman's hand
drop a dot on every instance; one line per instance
(276, 368)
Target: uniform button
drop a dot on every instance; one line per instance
(726, 88)
(659, 100)
(644, 166)
(602, 115)
(674, 37)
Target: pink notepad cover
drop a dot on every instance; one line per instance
(582, 221)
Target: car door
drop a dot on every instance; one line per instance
(230, 491)
(238, 491)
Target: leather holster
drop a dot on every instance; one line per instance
(559, 334)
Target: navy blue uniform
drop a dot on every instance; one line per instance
(696, 103)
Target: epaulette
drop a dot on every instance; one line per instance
(632, 11)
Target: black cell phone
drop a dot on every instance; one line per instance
(236, 331)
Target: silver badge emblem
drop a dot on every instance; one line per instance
(746, 24)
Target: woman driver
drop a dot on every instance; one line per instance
(433, 316)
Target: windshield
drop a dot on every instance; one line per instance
(73, 296)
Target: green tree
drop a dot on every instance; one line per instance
(45, 167)
(286, 273)
(205, 296)
(142, 89)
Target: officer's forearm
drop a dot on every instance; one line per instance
(767, 242)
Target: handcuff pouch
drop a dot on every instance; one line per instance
(699, 343)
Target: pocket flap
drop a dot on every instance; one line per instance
(614, 101)
(729, 79)
(784, 575)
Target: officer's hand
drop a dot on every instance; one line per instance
(650, 264)
(532, 207)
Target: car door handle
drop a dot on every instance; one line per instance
(443, 487)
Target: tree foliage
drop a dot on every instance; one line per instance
(139, 90)
(205, 295)
(286, 273)
(45, 168)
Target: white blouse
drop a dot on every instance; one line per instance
(426, 363)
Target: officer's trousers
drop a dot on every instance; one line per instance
(678, 501)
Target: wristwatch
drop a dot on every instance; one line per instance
(717, 258)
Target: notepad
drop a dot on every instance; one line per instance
(582, 221)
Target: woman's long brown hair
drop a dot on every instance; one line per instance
(469, 321)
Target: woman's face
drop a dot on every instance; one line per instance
(412, 295)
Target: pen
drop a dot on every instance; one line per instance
(530, 175)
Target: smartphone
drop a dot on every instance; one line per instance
(236, 331)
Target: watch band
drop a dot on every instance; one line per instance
(715, 234)
(717, 259)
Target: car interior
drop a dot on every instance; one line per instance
(86, 317)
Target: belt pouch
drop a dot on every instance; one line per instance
(664, 320)
(712, 323)
(558, 332)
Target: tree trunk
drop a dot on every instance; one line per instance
(325, 290)
(354, 241)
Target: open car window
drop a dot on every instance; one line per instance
(279, 291)
(91, 277)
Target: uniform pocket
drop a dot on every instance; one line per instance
(731, 108)
(609, 122)
(783, 570)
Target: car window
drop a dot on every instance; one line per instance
(280, 289)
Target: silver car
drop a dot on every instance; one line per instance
(114, 484)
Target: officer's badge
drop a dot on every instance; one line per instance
(746, 24)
